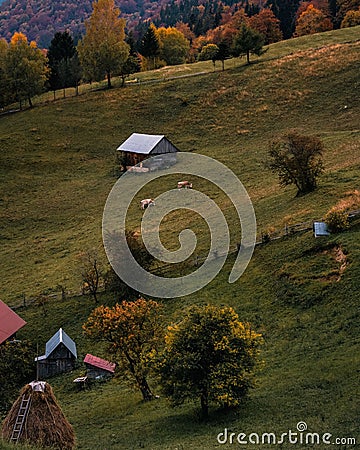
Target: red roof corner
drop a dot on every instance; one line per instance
(99, 363)
(10, 322)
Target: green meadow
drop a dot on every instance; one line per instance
(58, 165)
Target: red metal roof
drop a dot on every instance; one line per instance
(100, 363)
(10, 322)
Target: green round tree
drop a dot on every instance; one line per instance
(209, 356)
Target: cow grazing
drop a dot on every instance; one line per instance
(147, 202)
(184, 184)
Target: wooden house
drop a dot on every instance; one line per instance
(60, 356)
(98, 368)
(10, 323)
(138, 148)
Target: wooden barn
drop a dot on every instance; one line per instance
(98, 368)
(140, 147)
(60, 356)
(10, 323)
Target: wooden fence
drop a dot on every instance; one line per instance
(61, 294)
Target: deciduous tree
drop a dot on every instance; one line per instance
(209, 52)
(90, 271)
(131, 65)
(137, 248)
(103, 48)
(16, 368)
(26, 69)
(133, 332)
(210, 355)
(3, 74)
(343, 6)
(351, 19)
(297, 160)
(174, 47)
(311, 21)
(267, 24)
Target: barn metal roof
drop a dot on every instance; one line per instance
(10, 322)
(99, 363)
(141, 143)
(60, 337)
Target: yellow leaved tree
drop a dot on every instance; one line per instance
(103, 49)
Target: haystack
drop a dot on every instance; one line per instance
(44, 424)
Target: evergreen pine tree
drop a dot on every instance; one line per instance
(150, 46)
(285, 11)
(63, 62)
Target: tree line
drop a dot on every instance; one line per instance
(106, 50)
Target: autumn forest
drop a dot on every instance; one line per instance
(39, 20)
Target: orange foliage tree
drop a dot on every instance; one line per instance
(267, 24)
(351, 19)
(344, 6)
(133, 331)
(311, 21)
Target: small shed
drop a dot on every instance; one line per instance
(60, 355)
(320, 229)
(98, 368)
(10, 322)
(139, 147)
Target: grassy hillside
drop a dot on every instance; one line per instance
(57, 168)
(308, 319)
(57, 160)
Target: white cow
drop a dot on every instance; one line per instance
(184, 184)
(147, 202)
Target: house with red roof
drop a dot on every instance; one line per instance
(10, 322)
(98, 368)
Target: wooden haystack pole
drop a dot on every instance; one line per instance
(37, 418)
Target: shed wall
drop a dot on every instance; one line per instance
(164, 146)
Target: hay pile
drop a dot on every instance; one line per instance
(45, 425)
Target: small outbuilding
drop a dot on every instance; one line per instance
(320, 229)
(10, 323)
(60, 355)
(98, 368)
(140, 147)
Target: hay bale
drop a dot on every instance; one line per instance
(45, 425)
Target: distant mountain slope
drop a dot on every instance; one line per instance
(41, 19)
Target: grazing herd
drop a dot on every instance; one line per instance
(146, 202)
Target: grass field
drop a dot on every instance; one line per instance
(58, 160)
(57, 166)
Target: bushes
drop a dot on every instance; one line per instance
(337, 220)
